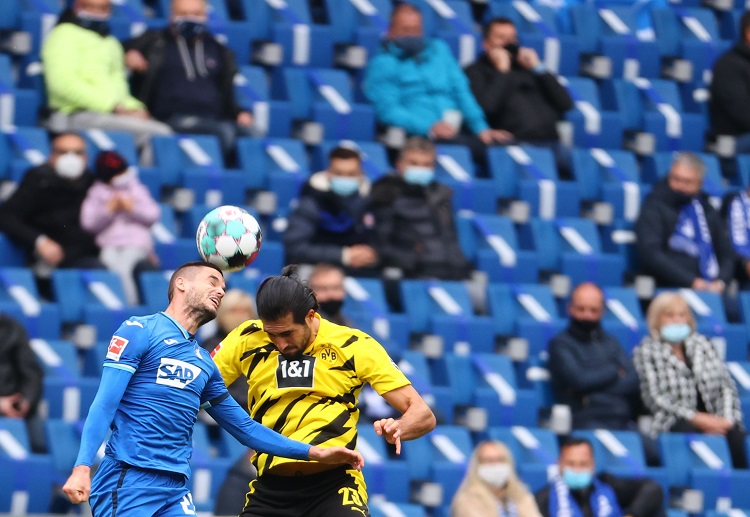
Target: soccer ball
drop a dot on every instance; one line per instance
(229, 237)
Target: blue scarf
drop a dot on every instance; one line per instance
(603, 501)
(507, 510)
(739, 224)
(692, 237)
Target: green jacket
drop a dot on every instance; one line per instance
(84, 71)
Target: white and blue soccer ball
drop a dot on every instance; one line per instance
(229, 237)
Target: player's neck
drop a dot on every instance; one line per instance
(184, 317)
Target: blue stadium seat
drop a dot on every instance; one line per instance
(93, 358)
(535, 452)
(63, 442)
(357, 23)
(29, 147)
(69, 400)
(15, 443)
(98, 141)
(389, 509)
(656, 167)
(491, 243)
(383, 476)
(415, 366)
(573, 247)
(207, 477)
(175, 155)
(58, 358)
(27, 484)
(273, 117)
(11, 255)
(373, 154)
(19, 296)
(154, 289)
(455, 168)
(444, 308)
(171, 249)
(623, 316)
(592, 125)
(20, 106)
(452, 22)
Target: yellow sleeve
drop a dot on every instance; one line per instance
(376, 367)
(227, 355)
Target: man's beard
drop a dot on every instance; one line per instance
(298, 353)
(198, 310)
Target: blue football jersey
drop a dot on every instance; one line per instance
(172, 377)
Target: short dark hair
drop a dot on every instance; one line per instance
(280, 295)
(572, 441)
(187, 270)
(744, 24)
(498, 20)
(344, 153)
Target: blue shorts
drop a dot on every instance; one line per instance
(122, 490)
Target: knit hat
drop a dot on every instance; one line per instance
(108, 165)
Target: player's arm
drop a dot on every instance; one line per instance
(416, 419)
(229, 415)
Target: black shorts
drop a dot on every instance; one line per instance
(334, 493)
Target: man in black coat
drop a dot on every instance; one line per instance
(43, 214)
(185, 76)
(516, 92)
(414, 224)
(680, 238)
(578, 491)
(730, 90)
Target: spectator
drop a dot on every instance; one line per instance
(684, 382)
(20, 379)
(42, 215)
(119, 211)
(327, 282)
(680, 239)
(577, 491)
(415, 83)
(185, 76)
(730, 88)
(330, 223)
(519, 97)
(236, 307)
(736, 209)
(491, 486)
(414, 223)
(85, 77)
(589, 368)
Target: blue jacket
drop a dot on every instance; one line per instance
(413, 93)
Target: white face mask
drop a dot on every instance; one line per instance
(123, 179)
(494, 474)
(70, 166)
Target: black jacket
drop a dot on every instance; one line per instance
(19, 370)
(520, 101)
(730, 92)
(415, 229)
(323, 223)
(152, 44)
(636, 497)
(592, 374)
(656, 224)
(46, 204)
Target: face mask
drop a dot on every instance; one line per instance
(70, 166)
(419, 175)
(576, 480)
(94, 22)
(123, 179)
(512, 49)
(410, 45)
(586, 326)
(681, 198)
(189, 27)
(331, 307)
(494, 474)
(676, 332)
(344, 186)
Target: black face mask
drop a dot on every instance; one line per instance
(585, 326)
(331, 307)
(100, 25)
(681, 198)
(512, 49)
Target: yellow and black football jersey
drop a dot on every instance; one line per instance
(312, 398)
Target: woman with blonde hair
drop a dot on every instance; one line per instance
(491, 487)
(684, 382)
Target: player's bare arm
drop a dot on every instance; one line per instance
(336, 456)
(416, 419)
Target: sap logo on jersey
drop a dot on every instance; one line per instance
(175, 373)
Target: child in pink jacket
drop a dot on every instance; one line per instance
(119, 211)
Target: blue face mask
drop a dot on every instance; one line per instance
(410, 45)
(189, 27)
(93, 22)
(344, 186)
(676, 332)
(419, 175)
(577, 479)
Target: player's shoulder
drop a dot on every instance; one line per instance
(342, 335)
(249, 334)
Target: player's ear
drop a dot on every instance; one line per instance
(310, 316)
(180, 283)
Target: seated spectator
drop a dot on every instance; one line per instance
(680, 239)
(330, 223)
(684, 382)
(519, 97)
(184, 75)
(119, 211)
(85, 77)
(730, 88)
(491, 486)
(42, 214)
(736, 210)
(414, 224)
(20, 380)
(577, 491)
(589, 369)
(416, 83)
(327, 282)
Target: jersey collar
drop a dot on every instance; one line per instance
(183, 331)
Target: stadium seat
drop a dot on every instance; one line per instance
(19, 297)
(656, 167)
(271, 117)
(452, 22)
(623, 317)
(380, 508)
(535, 452)
(384, 476)
(63, 442)
(455, 168)
(175, 155)
(593, 126)
(67, 400)
(27, 484)
(19, 107)
(440, 399)
(59, 359)
(29, 147)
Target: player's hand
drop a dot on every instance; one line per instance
(391, 430)
(78, 485)
(135, 61)
(336, 456)
(50, 251)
